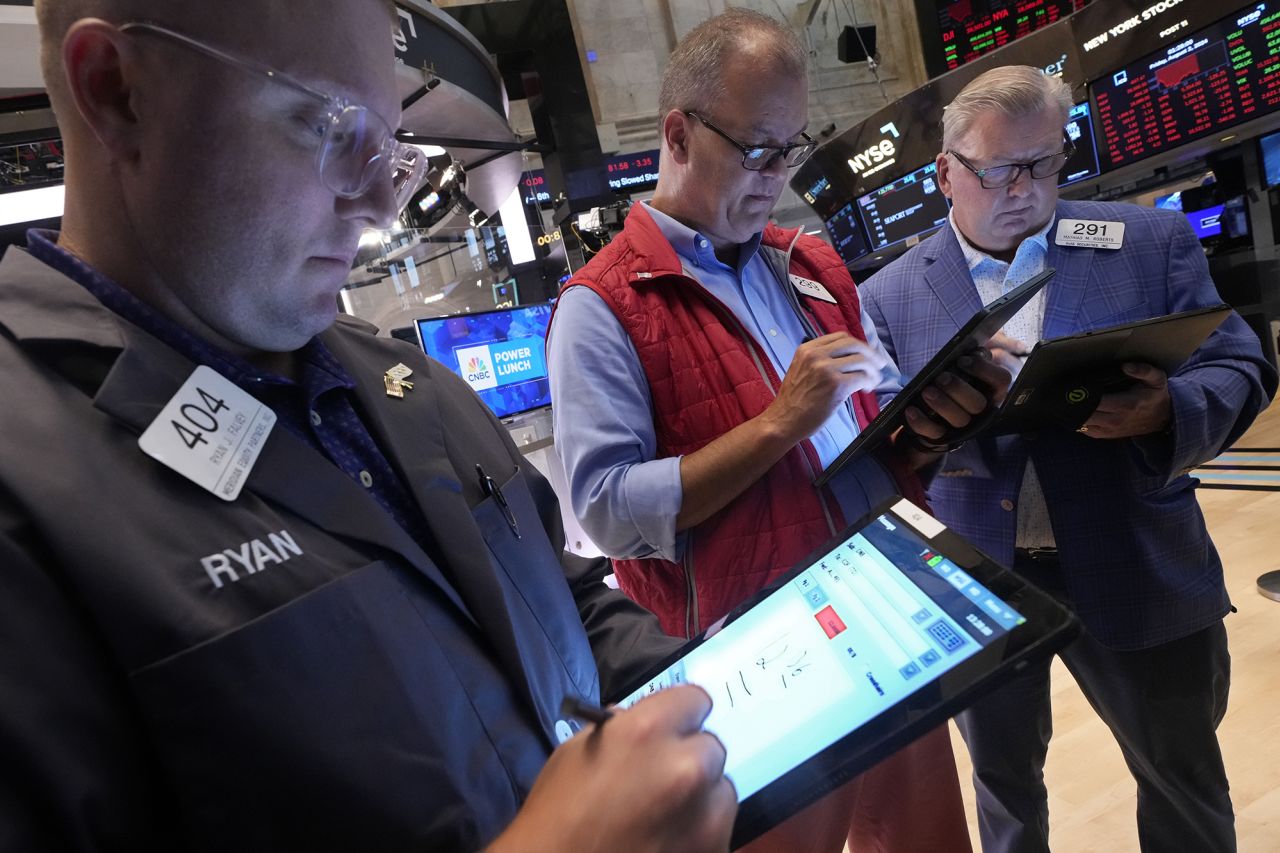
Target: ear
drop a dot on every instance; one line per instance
(943, 163)
(675, 135)
(99, 65)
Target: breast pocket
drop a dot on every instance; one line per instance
(1115, 300)
(538, 597)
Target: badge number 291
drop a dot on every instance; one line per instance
(210, 432)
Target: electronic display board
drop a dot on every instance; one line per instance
(846, 234)
(1084, 162)
(533, 187)
(631, 173)
(1216, 77)
(968, 29)
(909, 206)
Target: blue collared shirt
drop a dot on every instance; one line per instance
(993, 278)
(319, 408)
(626, 499)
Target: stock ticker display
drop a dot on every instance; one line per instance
(1222, 75)
(970, 28)
(909, 206)
(846, 234)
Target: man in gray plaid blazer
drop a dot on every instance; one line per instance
(1105, 517)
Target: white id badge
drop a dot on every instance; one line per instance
(210, 432)
(809, 287)
(1090, 234)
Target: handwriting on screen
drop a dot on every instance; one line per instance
(774, 666)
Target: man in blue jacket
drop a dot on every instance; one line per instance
(1105, 517)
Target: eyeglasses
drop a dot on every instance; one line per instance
(356, 147)
(756, 158)
(996, 177)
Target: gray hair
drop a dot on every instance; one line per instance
(694, 76)
(1014, 90)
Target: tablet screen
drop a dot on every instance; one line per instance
(870, 622)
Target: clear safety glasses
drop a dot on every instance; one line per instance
(356, 147)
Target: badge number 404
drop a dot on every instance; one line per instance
(210, 432)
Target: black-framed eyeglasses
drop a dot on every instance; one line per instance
(997, 177)
(354, 145)
(756, 158)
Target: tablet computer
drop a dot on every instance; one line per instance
(1063, 379)
(877, 638)
(976, 332)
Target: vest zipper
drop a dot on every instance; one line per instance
(690, 588)
(691, 614)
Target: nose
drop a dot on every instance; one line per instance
(1022, 185)
(375, 207)
(778, 168)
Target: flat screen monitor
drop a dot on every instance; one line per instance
(1172, 201)
(1269, 145)
(846, 234)
(967, 29)
(1207, 81)
(911, 205)
(1084, 162)
(500, 354)
(1207, 222)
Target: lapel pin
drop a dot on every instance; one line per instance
(396, 381)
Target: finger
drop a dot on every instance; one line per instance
(683, 708)
(851, 346)
(993, 379)
(954, 400)
(713, 752)
(1125, 402)
(855, 364)
(1147, 374)
(922, 425)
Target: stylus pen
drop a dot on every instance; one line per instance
(584, 712)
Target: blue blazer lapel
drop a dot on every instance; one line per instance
(1066, 291)
(948, 276)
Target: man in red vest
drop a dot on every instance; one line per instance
(707, 365)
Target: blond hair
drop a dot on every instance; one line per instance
(1014, 90)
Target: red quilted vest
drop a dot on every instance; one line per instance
(706, 376)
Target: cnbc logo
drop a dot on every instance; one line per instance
(476, 364)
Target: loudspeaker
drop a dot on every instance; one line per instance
(850, 49)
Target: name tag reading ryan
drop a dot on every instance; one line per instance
(210, 432)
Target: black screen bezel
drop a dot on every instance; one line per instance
(1049, 626)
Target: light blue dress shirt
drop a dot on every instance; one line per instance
(993, 278)
(601, 410)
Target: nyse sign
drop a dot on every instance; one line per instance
(879, 156)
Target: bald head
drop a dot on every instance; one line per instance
(232, 23)
(197, 182)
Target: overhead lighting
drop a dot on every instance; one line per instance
(32, 205)
(430, 150)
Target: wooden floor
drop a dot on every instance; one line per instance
(1091, 795)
